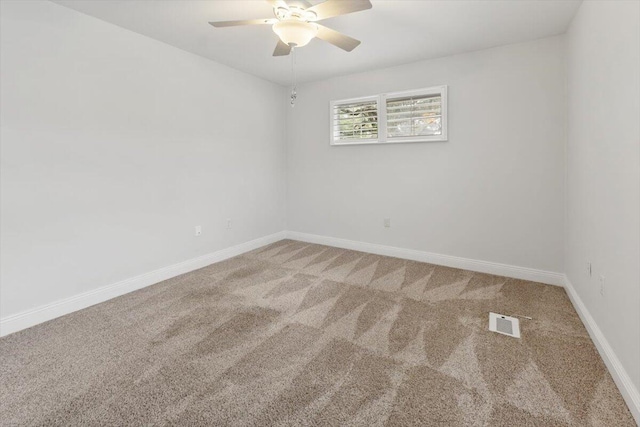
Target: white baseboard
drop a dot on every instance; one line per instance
(59, 308)
(524, 273)
(623, 381)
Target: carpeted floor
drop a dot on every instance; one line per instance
(302, 334)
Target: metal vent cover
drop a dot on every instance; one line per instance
(504, 325)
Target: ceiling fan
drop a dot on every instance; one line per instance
(296, 24)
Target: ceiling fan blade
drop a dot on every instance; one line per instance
(304, 4)
(282, 49)
(331, 8)
(282, 3)
(220, 24)
(337, 39)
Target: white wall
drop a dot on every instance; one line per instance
(114, 146)
(603, 170)
(493, 192)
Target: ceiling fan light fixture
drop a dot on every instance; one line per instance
(294, 32)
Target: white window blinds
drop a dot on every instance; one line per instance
(355, 121)
(414, 116)
(410, 116)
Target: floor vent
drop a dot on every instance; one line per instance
(504, 325)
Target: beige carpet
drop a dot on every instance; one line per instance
(302, 334)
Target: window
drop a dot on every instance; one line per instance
(411, 116)
(355, 120)
(415, 116)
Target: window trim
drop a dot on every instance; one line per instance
(381, 102)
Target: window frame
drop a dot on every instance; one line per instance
(381, 104)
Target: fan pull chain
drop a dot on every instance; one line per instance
(294, 93)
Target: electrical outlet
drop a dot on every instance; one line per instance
(229, 224)
(589, 271)
(387, 222)
(602, 285)
(198, 230)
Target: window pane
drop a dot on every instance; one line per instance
(414, 116)
(355, 121)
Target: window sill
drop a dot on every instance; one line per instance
(404, 141)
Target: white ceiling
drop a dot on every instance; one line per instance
(392, 32)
